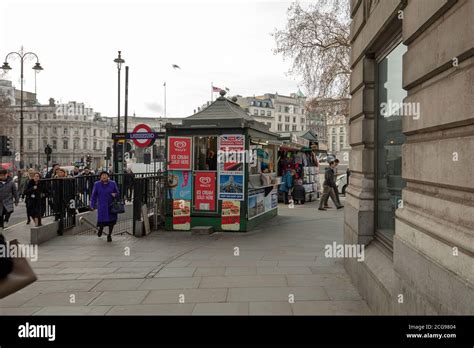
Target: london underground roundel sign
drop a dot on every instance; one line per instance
(144, 140)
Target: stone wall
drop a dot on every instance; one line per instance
(431, 269)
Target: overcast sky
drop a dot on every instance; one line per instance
(224, 42)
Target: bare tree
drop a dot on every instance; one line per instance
(316, 38)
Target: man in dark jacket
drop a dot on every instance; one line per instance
(329, 186)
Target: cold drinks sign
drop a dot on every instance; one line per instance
(179, 153)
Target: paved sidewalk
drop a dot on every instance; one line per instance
(280, 269)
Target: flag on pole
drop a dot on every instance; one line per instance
(216, 89)
(164, 84)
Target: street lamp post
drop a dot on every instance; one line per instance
(119, 61)
(37, 67)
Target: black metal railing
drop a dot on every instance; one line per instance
(64, 197)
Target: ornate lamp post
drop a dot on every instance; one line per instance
(37, 67)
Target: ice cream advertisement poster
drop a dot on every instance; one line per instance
(181, 214)
(230, 220)
(231, 186)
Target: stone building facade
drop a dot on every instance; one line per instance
(281, 113)
(410, 199)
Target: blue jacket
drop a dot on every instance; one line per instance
(286, 182)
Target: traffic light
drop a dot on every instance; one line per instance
(5, 144)
(108, 154)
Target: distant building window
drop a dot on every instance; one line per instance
(341, 129)
(279, 118)
(30, 130)
(287, 109)
(303, 120)
(269, 113)
(294, 119)
(95, 133)
(293, 127)
(76, 131)
(30, 144)
(262, 112)
(85, 144)
(280, 126)
(287, 118)
(295, 110)
(287, 127)
(334, 131)
(101, 133)
(255, 112)
(55, 130)
(65, 144)
(45, 143)
(85, 131)
(65, 131)
(54, 116)
(95, 145)
(55, 144)
(279, 108)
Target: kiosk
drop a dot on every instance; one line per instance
(222, 170)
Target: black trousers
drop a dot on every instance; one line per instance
(4, 217)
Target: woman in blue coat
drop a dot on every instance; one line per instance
(103, 194)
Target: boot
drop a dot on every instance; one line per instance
(109, 238)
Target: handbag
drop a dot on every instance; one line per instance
(117, 206)
(18, 275)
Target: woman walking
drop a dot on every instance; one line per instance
(103, 194)
(34, 199)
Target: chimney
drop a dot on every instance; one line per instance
(52, 102)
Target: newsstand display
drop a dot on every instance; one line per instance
(222, 170)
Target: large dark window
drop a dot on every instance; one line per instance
(389, 140)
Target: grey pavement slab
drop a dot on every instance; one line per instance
(114, 298)
(209, 271)
(73, 298)
(270, 308)
(17, 299)
(73, 310)
(229, 271)
(170, 283)
(62, 285)
(279, 294)
(186, 296)
(168, 272)
(19, 311)
(150, 309)
(243, 281)
(118, 284)
(330, 308)
(221, 309)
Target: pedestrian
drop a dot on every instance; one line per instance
(52, 172)
(335, 198)
(34, 192)
(103, 194)
(128, 183)
(75, 171)
(286, 184)
(8, 197)
(329, 186)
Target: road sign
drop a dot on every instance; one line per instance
(142, 140)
